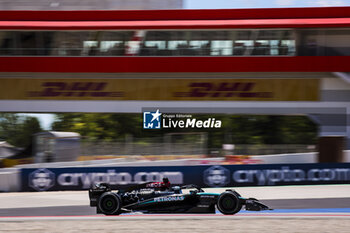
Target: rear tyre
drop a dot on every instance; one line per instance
(229, 203)
(109, 203)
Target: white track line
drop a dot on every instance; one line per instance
(179, 217)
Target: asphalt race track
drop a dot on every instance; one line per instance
(303, 209)
(281, 206)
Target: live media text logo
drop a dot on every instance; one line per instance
(158, 120)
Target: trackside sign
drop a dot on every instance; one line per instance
(80, 178)
(172, 89)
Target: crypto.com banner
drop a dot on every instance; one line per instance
(80, 178)
(159, 89)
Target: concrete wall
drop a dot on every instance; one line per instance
(9, 180)
(287, 158)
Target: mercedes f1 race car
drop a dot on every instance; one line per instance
(160, 197)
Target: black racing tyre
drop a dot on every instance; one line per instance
(110, 203)
(229, 203)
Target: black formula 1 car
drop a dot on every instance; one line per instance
(160, 197)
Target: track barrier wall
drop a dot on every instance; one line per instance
(10, 180)
(80, 178)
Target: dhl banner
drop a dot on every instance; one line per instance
(159, 89)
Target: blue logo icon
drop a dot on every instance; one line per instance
(216, 176)
(41, 179)
(151, 120)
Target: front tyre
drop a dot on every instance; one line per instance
(229, 203)
(109, 203)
